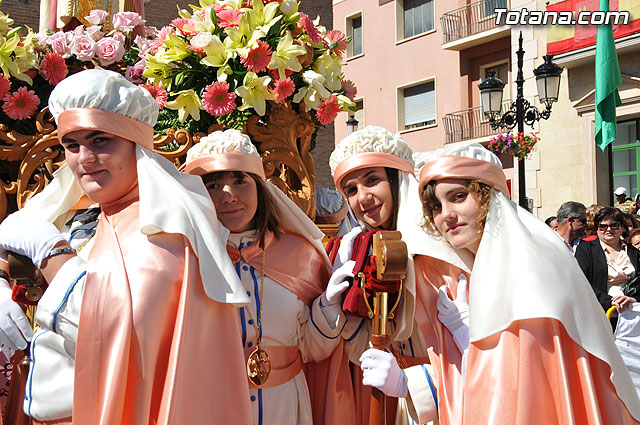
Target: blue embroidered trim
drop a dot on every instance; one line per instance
(256, 290)
(259, 406)
(433, 391)
(356, 332)
(27, 393)
(64, 299)
(318, 329)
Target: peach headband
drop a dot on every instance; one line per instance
(225, 161)
(366, 160)
(465, 168)
(110, 122)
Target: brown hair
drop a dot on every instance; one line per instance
(591, 213)
(634, 232)
(266, 216)
(481, 192)
(613, 213)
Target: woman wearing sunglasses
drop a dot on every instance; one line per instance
(607, 261)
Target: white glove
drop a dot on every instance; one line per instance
(380, 369)
(346, 248)
(331, 298)
(455, 314)
(15, 330)
(29, 236)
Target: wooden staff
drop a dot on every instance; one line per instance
(21, 271)
(391, 265)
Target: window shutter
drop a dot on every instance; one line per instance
(419, 104)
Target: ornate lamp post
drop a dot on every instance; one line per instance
(352, 124)
(521, 111)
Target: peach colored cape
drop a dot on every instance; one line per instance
(152, 347)
(296, 264)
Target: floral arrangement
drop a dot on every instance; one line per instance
(229, 59)
(34, 63)
(520, 145)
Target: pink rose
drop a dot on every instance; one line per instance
(119, 36)
(58, 43)
(40, 41)
(97, 17)
(110, 50)
(94, 32)
(144, 44)
(126, 21)
(83, 47)
(134, 73)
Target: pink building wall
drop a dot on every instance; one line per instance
(386, 65)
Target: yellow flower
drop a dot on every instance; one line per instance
(286, 56)
(5, 22)
(263, 17)
(241, 39)
(157, 69)
(331, 69)
(175, 48)
(255, 92)
(187, 103)
(15, 59)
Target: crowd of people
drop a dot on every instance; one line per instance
(204, 295)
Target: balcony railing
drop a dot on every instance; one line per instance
(469, 124)
(471, 19)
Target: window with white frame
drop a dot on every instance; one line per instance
(418, 105)
(359, 113)
(417, 17)
(354, 30)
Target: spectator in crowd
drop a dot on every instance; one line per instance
(590, 229)
(572, 220)
(632, 223)
(624, 203)
(552, 222)
(634, 238)
(607, 261)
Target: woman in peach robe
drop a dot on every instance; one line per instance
(151, 312)
(280, 260)
(535, 345)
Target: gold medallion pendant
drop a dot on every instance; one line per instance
(258, 366)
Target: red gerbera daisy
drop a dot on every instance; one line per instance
(336, 41)
(217, 100)
(258, 57)
(20, 104)
(309, 28)
(328, 110)
(185, 26)
(5, 86)
(53, 68)
(158, 93)
(229, 18)
(161, 36)
(349, 88)
(283, 89)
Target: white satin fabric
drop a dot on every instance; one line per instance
(170, 202)
(521, 260)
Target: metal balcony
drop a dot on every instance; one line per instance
(469, 124)
(472, 24)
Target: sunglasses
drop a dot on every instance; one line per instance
(613, 226)
(581, 220)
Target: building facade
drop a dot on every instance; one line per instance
(417, 65)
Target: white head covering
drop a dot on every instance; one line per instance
(231, 150)
(522, 270)
(170, 201)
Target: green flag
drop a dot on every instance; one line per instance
(607, 81)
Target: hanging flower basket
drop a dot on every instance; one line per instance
(520, 145)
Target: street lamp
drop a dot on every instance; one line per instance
(521, 111)
(352, 124)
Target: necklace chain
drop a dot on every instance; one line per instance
(257, 323)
